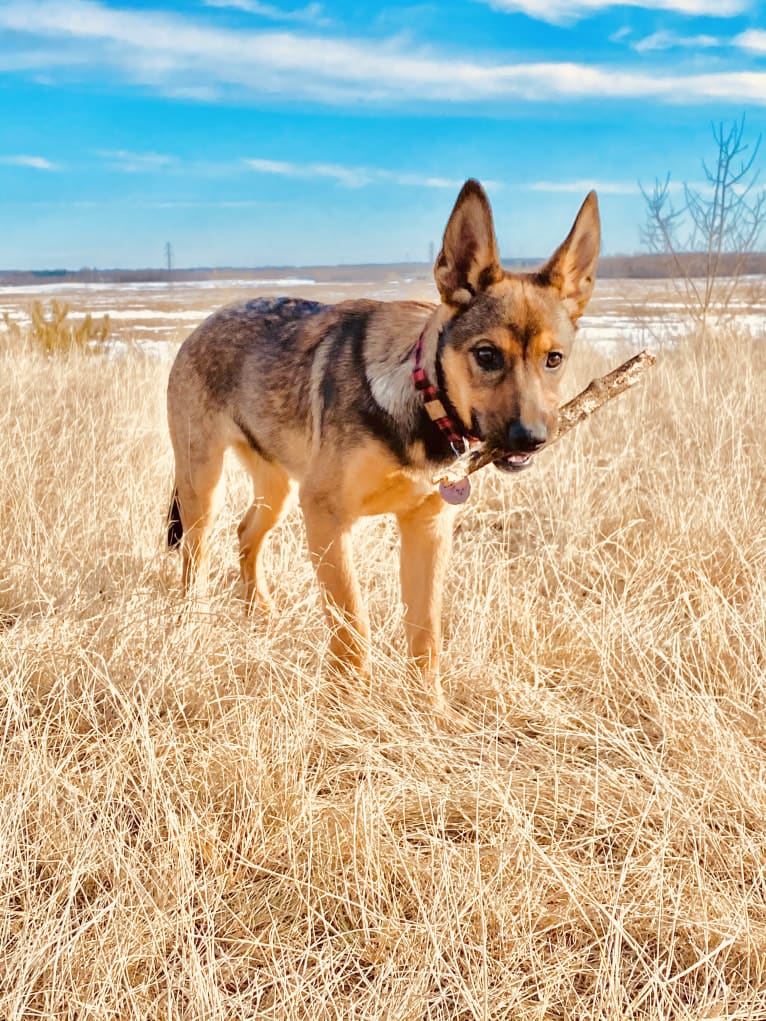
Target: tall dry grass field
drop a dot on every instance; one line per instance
(198, 823)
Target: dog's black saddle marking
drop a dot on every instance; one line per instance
(285, 307)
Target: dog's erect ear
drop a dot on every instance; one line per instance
(572, 267)
(468, 261)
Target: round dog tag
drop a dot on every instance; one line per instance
(455, 492)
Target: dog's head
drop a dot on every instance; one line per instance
(508, 336)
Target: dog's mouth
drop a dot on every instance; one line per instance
(514, 462)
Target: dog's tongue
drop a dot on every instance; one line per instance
(517, 458)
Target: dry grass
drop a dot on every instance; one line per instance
(53, 332)
(196, 824)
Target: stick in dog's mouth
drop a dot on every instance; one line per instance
(594, 396)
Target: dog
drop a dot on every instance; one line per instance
(361, 402)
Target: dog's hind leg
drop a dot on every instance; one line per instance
(426, 535)
(272, 489)
(196, 486)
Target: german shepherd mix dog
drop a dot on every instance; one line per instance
(360, 403)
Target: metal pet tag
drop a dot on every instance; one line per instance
(455, 492)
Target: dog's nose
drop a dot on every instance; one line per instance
(525, 438)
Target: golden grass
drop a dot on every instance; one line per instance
(53, 332)
(196, 824)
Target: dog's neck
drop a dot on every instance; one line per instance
(428, 379)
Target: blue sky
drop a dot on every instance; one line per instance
(280, 132)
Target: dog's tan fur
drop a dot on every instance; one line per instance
(323, 396)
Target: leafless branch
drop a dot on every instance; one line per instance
(707, 238)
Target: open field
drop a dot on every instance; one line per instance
(145, 316)
(197, 822)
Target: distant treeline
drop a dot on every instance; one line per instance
(322, 274)
(692, 265)
(610, 266)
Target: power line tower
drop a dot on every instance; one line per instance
(169, 256)
(431, 253)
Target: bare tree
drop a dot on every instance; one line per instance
(706, 240)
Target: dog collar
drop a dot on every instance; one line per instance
(457, 437)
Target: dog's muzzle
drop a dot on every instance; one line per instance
(522, 441)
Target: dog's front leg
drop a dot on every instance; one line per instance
(426, 542)
(330, 547)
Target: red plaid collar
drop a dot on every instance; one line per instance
(454, 433)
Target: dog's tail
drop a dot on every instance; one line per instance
(175, 525)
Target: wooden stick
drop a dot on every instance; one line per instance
(593, 397)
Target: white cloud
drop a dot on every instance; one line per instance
(135, 162)
(670, 40)
(33, 162)
(353, 177)
(561, 11)
(350, 177)
(312, 14)
(583, 187)
(180, 56)
(753, 39)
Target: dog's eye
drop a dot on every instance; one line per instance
(488, 357)
(554, 359)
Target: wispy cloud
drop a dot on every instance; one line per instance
(311, 14)
(32, 162)
(582, 187)
(173, 54)
(560, 11)
(352, 177)
(136, 203)
(620, 34)
(671, 40)
(135, 162)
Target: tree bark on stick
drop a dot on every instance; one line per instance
(593, 397)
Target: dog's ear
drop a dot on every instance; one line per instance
(468, 261)
(572, 267)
